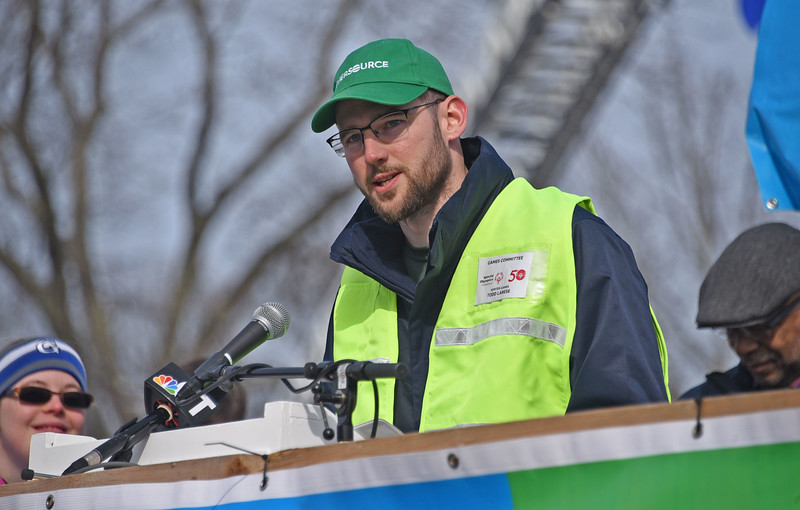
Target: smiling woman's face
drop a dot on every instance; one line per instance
(19, 420)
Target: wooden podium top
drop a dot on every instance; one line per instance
(223, 467)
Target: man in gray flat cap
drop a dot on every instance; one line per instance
(752, 292)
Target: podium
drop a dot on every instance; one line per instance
(739, 451)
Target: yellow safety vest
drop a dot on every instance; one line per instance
(493, 358)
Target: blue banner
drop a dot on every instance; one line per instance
(773, 117)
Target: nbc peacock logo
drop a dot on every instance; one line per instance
(167, 382)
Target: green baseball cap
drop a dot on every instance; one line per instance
(388, 71)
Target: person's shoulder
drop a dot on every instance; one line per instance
(702, 390)
(586, 222)
(735, 380)
(592, 236)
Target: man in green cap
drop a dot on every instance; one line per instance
(504, 301)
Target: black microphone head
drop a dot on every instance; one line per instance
(274, 317)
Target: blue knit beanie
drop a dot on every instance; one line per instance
(41, 353)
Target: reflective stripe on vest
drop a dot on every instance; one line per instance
(504, 326)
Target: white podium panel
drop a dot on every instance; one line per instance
(285, 425)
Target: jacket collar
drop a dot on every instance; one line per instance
(374, 247)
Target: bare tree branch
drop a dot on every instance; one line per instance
(270, 143)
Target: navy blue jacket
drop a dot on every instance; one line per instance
(614, 358)
(735, 380)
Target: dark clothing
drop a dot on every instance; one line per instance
(735, 380)
(614, 359)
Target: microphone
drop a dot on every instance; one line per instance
(270, 320)
(126, 438)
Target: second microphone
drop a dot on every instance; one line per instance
(270, 320)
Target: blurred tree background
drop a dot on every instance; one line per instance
(159, 178)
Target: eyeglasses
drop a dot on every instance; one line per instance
(36, 395)
(762, 333)
(387, 128)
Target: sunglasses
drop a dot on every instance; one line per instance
(36, 395)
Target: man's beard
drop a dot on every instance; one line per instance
(425, 186)
(784, 372)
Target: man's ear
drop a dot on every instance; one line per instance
(455, 118)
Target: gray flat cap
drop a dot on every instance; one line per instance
(756, 274)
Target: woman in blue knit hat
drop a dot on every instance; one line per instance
(42, 389)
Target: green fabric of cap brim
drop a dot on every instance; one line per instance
(376, 92)
(387, 71)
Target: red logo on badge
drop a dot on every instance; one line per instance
(498, 277)
(517, 274)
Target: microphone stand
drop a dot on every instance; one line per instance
(342, 395)
(125, 439)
